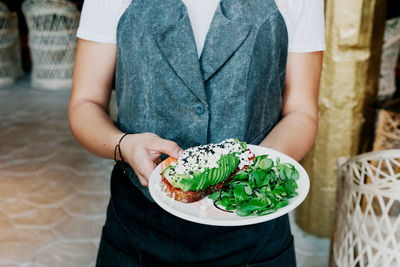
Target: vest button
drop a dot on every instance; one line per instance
(199, 109)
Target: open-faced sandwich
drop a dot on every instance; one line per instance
(203, 170)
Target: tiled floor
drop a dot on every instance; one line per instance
(53, 193)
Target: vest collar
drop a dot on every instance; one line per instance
(176, 42)
(223, 38)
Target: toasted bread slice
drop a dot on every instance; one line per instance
(190, 196)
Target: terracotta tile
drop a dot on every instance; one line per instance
(24, 244)
(50, 195)
(53, 175)
(78, 228)
(67, 254)
(17, 207)
(43, 218)
(86, 206)
(92, 186)
(7, 230)
(9, 264)
(24, 167)
(11, 187)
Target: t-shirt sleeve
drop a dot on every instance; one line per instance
(99, 19)
(305, 24)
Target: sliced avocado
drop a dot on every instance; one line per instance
(226, 166)
(185, 183)
(169, 174)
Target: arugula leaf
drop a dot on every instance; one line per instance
(215, 196)
(240, 194)
(226, 201)
(241, 175)
(247, 208)
(262, 162)
(258, 177)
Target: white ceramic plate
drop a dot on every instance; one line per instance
(205, 212)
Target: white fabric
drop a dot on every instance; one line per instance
(304, 20)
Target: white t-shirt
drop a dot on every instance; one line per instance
(304, 21)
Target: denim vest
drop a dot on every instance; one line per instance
(233, 91)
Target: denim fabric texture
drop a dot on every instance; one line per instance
(233, 91)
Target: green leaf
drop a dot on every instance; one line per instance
(272, 175)
(282, 204)
(266, 164)
(227, 193)
(266, 212)
(258, 177)
(230, 207)
(249, 207)
(215, 195)
(248, 189)
(241, 175)
(291, 187)
(226, 201)
(295, 175)
(240, 194)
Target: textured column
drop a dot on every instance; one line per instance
(349, 82)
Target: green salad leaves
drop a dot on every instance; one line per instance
(262, 188)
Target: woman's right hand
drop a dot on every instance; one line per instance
(143, 151)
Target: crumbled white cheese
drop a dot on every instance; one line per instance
(244, 159)
(201, 157)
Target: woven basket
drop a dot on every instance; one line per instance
(387, 130)
(10, 54)
(390, 54)
(52, 28)
(367, 221)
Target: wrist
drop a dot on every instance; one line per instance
(118, 139)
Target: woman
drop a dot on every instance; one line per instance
(189, 73)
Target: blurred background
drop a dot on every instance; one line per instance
(53, 193)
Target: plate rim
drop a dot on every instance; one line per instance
(248, 220)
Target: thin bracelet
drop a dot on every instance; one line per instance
(118, 146)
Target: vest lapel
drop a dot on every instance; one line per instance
(177, 44)
(223, 38)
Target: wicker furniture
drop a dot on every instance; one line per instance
(10, 55)
(390, 54)
(52, 28)
(387, 134)
(367, 226)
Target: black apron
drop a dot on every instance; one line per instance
(139, 233)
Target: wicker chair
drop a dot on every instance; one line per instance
(367, 221)
(390, 54)
(52, 28)
(10, 54)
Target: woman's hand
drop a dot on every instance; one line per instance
(143, 151)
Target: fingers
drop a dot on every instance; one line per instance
(144, 171)
(167, 147)
(143, 181)
(143, 151)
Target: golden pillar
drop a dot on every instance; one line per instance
(349, 82)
